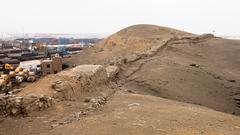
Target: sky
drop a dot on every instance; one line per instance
(109, 16)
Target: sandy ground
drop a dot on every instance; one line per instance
(168, 74)
(127, 113)
(144, 115)
(189, 86)
(214, 82)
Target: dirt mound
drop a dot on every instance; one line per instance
(134, 39)
(159, 61)
(153, 63)
(140, 37)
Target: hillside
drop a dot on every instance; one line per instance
(134, 39)
(144, 115)
(198, 69)
(152, 80)
(205, 73)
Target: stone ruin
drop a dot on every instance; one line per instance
(68, 85)
(11, 105)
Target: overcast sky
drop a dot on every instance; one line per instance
(108, 16)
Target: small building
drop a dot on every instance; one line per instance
(51, 66)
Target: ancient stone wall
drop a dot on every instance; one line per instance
(67, 85)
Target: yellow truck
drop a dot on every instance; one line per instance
(5, 83)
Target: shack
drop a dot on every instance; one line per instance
(51, 66)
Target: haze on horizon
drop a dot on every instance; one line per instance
(109, 16)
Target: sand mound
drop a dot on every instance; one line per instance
(153, 63)
(134, 39)
(157, 60)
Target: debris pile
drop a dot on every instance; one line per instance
(72, 83)
(12, 105)
(112, 71)
(94, 104)
(66, 85)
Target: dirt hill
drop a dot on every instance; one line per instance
(160, 61)
(169, 82)
(203, 72)
(134, 39)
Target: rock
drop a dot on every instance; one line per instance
(53, 120)
(232, 81)
(97, 102)
(15, 111)
(117, 61)
(87, 100)
(79, 114)
(58, 90)
(130, 91)
(112, 71)
(104, 95)
(93, 100)
(132, 58)
(133, 104)
(54, 125)
(153, 50)
(236, 97)
(218, 77)
(195, 65)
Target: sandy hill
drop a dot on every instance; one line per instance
(169, 82)
(134, 39)
(198, 69)
(205, 72)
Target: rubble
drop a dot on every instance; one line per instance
(95, 103)
(66, 85)
(132, 58)
(117, 61)
(232, 81)
(84, 78)
(112, 71)
(12, 105)
(195, 65)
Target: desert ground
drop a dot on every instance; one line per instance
(167, 82)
